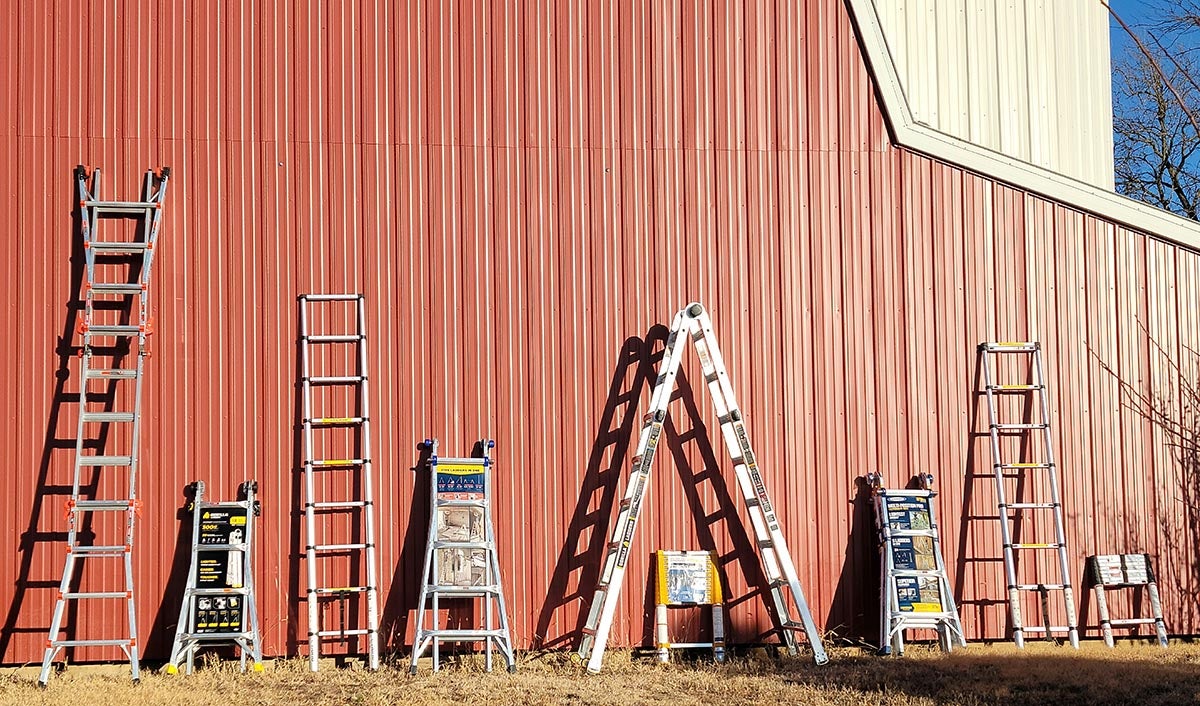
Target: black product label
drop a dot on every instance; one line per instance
(218, 614)
(220, 568)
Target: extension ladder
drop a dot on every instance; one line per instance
(692, 322)
(219, 605)
(915, 592)
(357, 424)
(460, 557)
(110, 342)
(1030, 430)
(1113, 571)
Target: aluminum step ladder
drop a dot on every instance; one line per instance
(1036, 432)
(1108, 572)
(693, 323)
(355, 429)
(460, 558)
(106, 346)
(915, 592)
(219, 605)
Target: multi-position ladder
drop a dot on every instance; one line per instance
(106, 345)
(460, 558)
(692, 322)
(353, 428)
(219, 605)
(1033, 432)
(1115, 571)
(914, 590)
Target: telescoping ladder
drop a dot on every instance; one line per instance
(460, 558)
(692, 322)
(353, 387)
(914, 591)
(1116, 571)
(106, 347)
(1035, 432)
(219, 605)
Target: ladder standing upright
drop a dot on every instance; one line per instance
(460, 558)
(357, 422)
(110, 342)
(692, 322)
(1032, 430)
(219, 605)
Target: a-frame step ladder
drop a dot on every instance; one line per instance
(914, 591)
(105, 377)
(354, 428)
(693, 323)
(460, 558)
(1038, 472)
(219, 605)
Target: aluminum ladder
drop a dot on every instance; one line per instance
(460, 558)
(693, 322)
(1032, 431)
(914, 592)
(356, 432)
(105, 346)
(1115, 571)
(219, 605)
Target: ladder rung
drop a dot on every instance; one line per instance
(462, 502)
(1052, 628)
(215, 635)
(239, 547)
(92, 505)
(111, 374)
(105, 460)
(1019, 427)
(1011, 346)
(116, 247)
(1025, 465)
(463, 590)
(121, 206)
(1014, 388)
(338, 462)
(1029, 506)
(1035, 545)
(335, 338)
(97, 594)
(243, 591)
(336, 379)
(1039, 586)
(462, 545)
(337, 420)
(93, 550)
(108, 416)
(342, 633)
(1132, 621)
(331, 297)
(116, 288)
(463, 634)
(111, 330)
(341, 589)
(337, 547)
(338, 505)
(124, 642)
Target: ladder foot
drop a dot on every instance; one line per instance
(512, 668)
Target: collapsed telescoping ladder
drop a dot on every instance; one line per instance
(106, 345)
(914, 590)
(1116, 571)
(460, 558)
(1034, 432)
(317, 508)
(692, 322)
(219, 605)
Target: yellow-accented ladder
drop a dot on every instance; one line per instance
(354, 428)
(1034, 431)
(693, 323)
(104, 381)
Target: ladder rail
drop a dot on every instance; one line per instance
(368, 489)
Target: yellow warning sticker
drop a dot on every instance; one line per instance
(237, 520)
(926, 608)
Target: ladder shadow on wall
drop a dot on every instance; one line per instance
(404, 589)
(33, 596)
(854, 611)
(162, 630)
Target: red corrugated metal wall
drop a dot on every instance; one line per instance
(526, 193)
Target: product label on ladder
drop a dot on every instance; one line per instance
(919, 594)
(213, 614)
(220, 568)
(908, 514)
(463, 481)
(1122, 569)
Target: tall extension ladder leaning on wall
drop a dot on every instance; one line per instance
(357, 422)
(692, 322)
(1044, 465)
(102, 339)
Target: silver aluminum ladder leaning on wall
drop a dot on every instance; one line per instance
(359, 423)
(80, 510)
(220, 608)
(1044, 464)
(460, 529)
(693, 323)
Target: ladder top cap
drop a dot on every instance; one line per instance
(695, 309)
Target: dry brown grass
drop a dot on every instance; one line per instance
(1042, 674)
